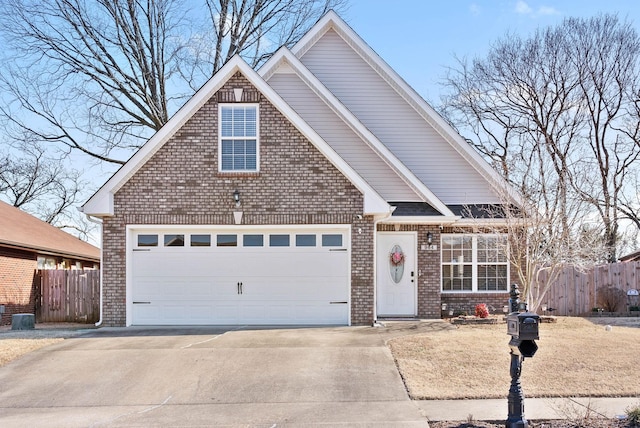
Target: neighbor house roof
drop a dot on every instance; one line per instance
(23, 231)
(633, 257)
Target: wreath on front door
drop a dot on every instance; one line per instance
(396, 263)
(397, 256)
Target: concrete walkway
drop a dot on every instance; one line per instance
(534, 408)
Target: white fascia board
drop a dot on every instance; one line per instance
(408, 219)
(373, 202)
(475, 160)
(96, 205)
(284, 58)
(485, 222)
(99, 205)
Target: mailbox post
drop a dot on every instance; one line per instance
(523, 327)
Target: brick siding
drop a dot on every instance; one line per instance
(180, 184)
(17, 270)
(430, 296)
(428, 267)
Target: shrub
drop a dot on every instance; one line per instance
(482, 311)
(633, 415)
(611, 298)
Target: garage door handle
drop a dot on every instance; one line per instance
(337, 249)
(240, 288)
(338, 303)
(141, 303)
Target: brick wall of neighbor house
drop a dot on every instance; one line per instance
(428, 267)
(180, 184)
(16, 276)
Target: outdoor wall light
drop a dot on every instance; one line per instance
(236, 197)
(429, 238)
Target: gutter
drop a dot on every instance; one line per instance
(98, 221)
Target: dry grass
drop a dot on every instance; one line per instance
(10, 349)
(575, 358)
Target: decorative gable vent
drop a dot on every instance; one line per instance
(234, 95)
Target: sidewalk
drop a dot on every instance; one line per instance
(534, 408)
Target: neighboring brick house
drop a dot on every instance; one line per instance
(319, 190)
(26, 244)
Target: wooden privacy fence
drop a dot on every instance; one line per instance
(67, 295)
(574, 293)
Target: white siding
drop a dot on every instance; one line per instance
(342, 138)
(387, 115)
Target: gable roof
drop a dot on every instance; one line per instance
(101, 203)
(23, 231)
(331, 21)
(284, 58)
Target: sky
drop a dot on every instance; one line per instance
(420, 38)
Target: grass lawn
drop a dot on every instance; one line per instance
(575, 358)
(10, 349)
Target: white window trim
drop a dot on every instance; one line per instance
(235, 171)
(474, 264)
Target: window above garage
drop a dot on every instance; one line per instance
(238, 138)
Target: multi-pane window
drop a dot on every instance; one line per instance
(474, 263)
(492, 263)
(238, 137)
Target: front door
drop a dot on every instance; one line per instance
(396, 274)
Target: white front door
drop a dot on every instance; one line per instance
(396, 274)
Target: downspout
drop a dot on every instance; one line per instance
(98, 221)
(384, 217)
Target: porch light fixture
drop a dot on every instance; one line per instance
(429, 238)
(236, 197)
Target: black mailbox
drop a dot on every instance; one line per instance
(523, 325)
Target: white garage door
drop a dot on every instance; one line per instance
(198, 277)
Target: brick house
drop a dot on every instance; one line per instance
(320, 189)
(27, 244)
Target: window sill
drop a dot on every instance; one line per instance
(474, 292)
(238, 173)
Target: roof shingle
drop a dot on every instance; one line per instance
(24, 231)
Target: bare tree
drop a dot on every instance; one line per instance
(253, 28)
(606, 54)
(99, 76)
(38, 184)
(555, 114)
(536, 244)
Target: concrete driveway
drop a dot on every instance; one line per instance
(206, 376)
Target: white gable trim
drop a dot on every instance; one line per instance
(331, 20)
(101, 203)
(284, 59)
